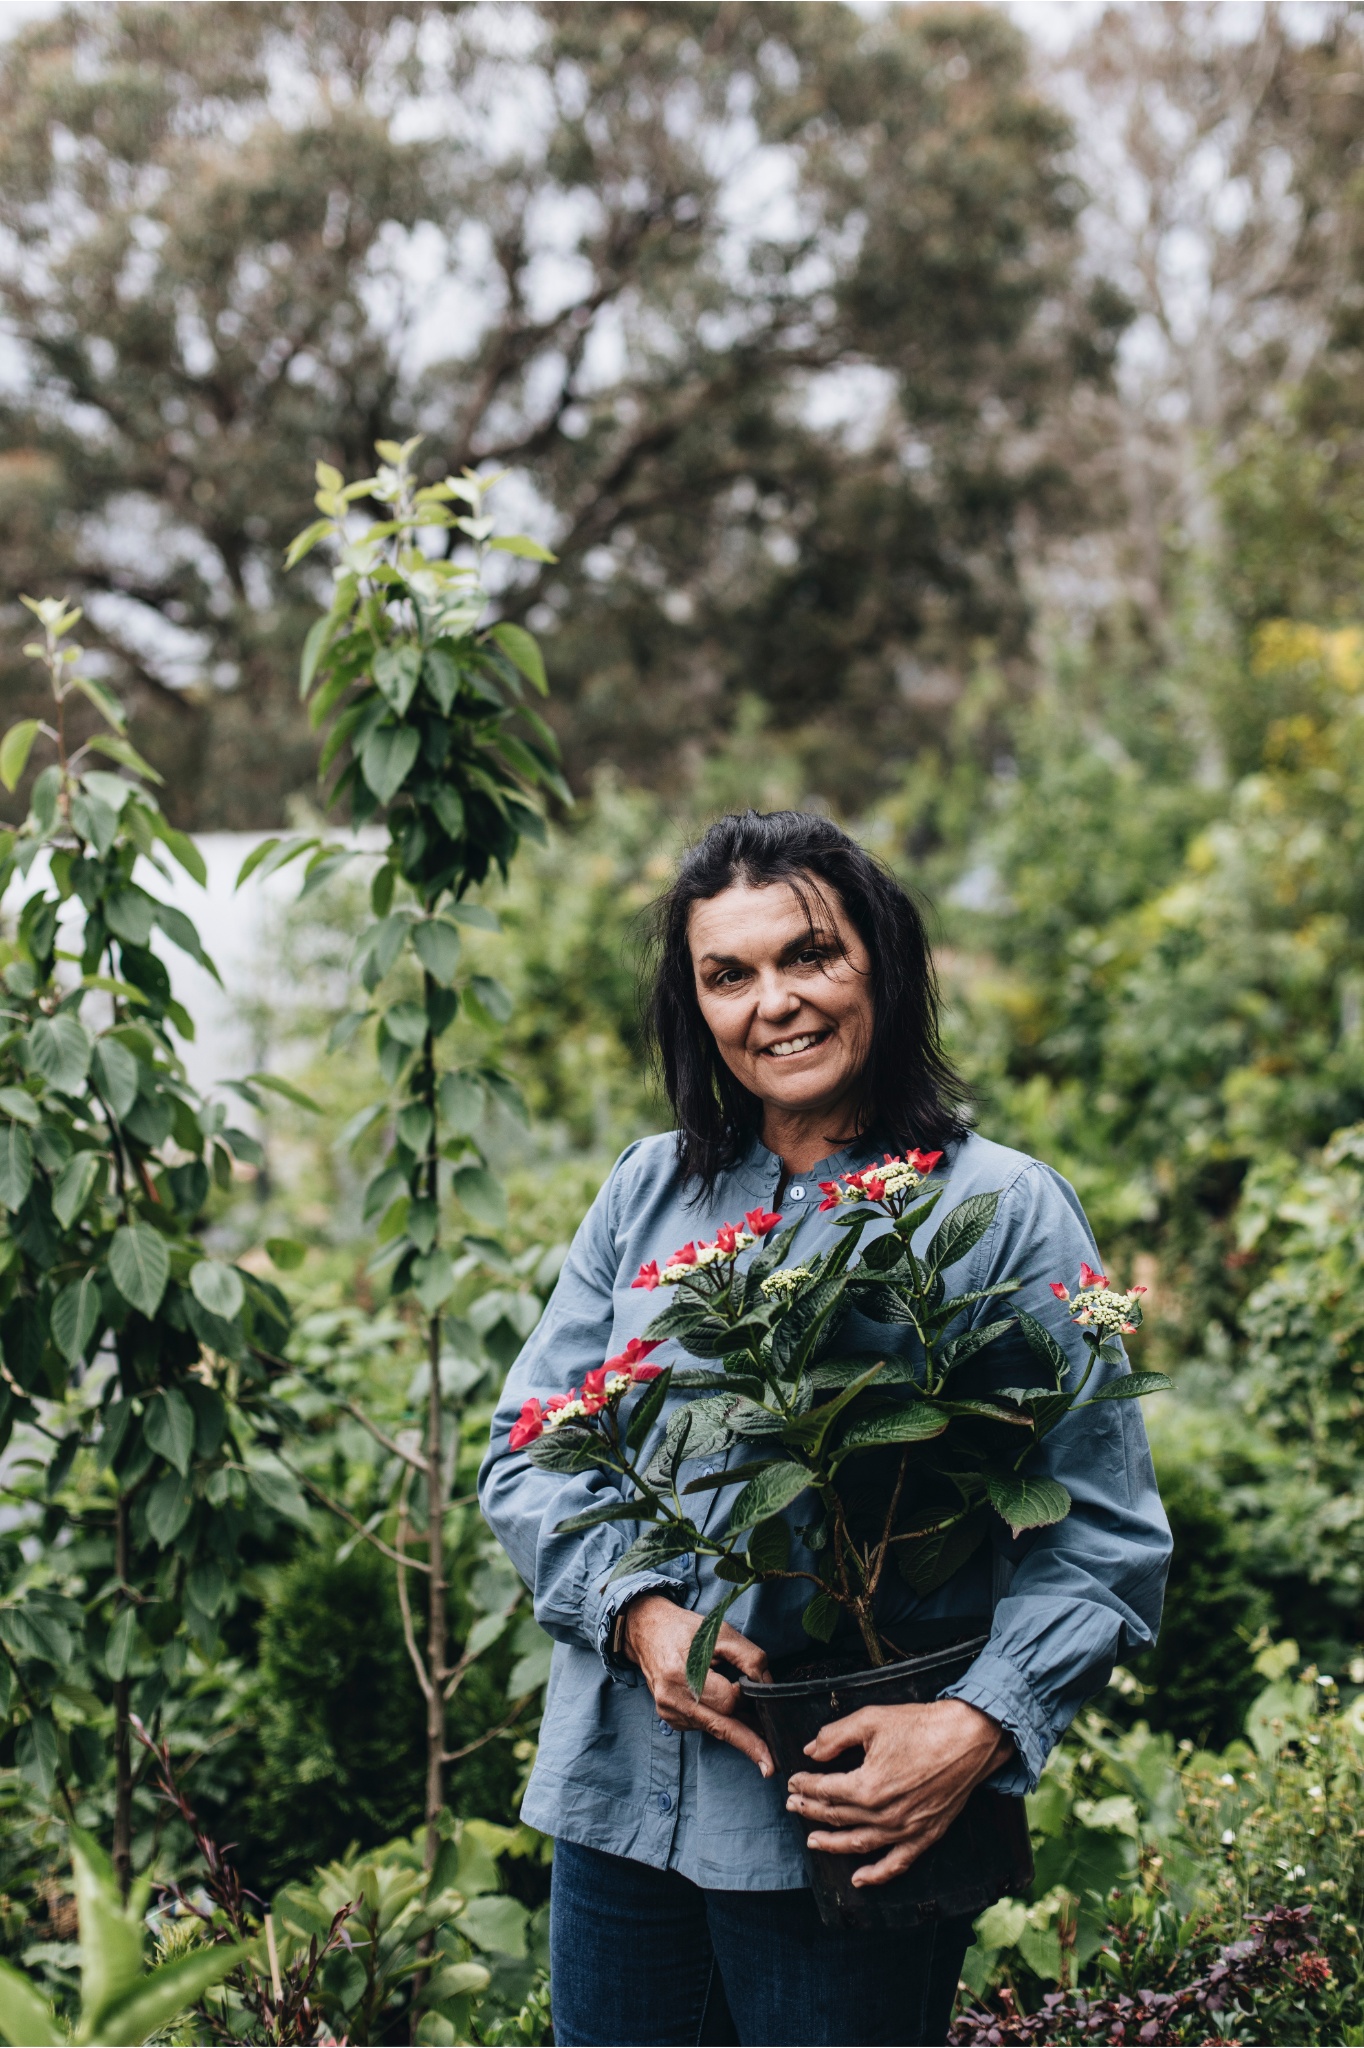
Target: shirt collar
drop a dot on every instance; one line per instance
(762, 1169)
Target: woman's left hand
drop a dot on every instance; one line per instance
(921, 1766)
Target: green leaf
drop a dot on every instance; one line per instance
(961, 1229)
(492, 997)
(166, 1992)
(16, 1166)
(73, 1187)
(648, 1411)
(115, 1072)
(437, 946)
(482, 1195)
(609, 1511)
(821, 1617)
(913, 1423)
(18, 1103)
(387, 758)
(277, 1487)
(130, 914)
(701, 1654)
(115, 749)
(111, 790)
(462, 1102)
(287, 1089)
(1028, 1503)
(75, 1312)
(397, 671)
(35, 1752)
(971, 1341)
(26, 2020)
(433, 1279)
(1131, 1387)
(768, 1493)
(303, 543)
(653, 1548)
(180, 930)
(286, 1253)
(521, 647)
(59, 1049)
(476, 914)
(521, 544)
(769, 1547)
(15, 749)
(1040, 1340)
(313, 648)
(140, 1265)
(406, 1022)
(219, 1287)
(118, 1644)
(168, 1508)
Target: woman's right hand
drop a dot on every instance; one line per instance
(656, 1636)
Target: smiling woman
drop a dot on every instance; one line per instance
(794, 1016)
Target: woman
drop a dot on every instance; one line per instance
(794, 1016)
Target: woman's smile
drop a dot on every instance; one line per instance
(788, 1048)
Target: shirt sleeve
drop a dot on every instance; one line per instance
(523, 1505)
(1083, 1590)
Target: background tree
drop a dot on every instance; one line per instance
(772, 311)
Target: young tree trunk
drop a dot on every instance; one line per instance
(436, 1624)
(123, 1756)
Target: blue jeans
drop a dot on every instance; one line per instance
(640, 1957)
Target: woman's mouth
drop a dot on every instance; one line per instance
(787, 1048)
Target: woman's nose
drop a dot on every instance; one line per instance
(776, 998)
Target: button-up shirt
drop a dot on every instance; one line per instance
(1065, 1601)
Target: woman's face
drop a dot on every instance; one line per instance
(790, 1007)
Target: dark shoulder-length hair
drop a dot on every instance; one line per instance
(911, 1094)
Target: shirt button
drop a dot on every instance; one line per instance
(797, 1193)
(666, 1729)
(665, 1802)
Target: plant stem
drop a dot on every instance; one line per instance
(437, 1619)
(123, 1755)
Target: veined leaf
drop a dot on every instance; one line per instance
(521, 544)
(520, 647)
(219, 1287)
(75, 1312)
(437, 946)
(482, 1195)
(18, 1104)
(59, 1049)
(608, 1511)
(702, 1651)
(1130, 1387)
(140, 1265)
(961, 1230)
(1028, 1503)
(653, 1548)
(387, 758)
(168, 1425)
(16, 1166)
(116, 1075)
(115, 749)
(768, 1493)
(913, 1423)
(1040, 1340)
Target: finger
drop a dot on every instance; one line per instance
(901, 1858)
(738, 1735)
(744, 1655)
(720, 1694)
(852, 1787)
(834, 1813)
(854, 1731)
(851, 1841)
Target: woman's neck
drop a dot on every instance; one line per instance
(801, 1138)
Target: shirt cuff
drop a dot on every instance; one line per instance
(999, 1689)
(613, 1604)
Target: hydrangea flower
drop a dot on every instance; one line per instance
(1100, 1307)
(894, 1179)
(602, 1386)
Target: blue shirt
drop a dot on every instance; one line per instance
(1066, 1600)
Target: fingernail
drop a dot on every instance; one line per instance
(766, 1770)
(809, 1749)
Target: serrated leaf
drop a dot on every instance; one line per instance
(821, 1617)
(769, 1547)
(15, 749)
(16, 1166)
(168, 1425)
(958, 1349)
(608, 1511)
(647, 1412)
(218, 1287)
(768, 1493)
(1040, 1341)
(72, 1188)
(140, 1265)
(1131, 1387)
(961, 1230)
(75, 1312)
(914, 1423)
(1028, 1503)
(653, 1548)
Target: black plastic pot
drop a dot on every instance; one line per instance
(983, 1856)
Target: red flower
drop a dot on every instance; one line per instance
(647, 1372)
(1089, 1278)
(829, 1190)
(628, 1359)
(873, 1187)
(727, 1237)
(594, 1389)
(557, 1401)
(760, 1221)
(528, 1425)
(686, 1257)
(1137, 1290)
(923, 1162)
(1061, 1293)
(647, 1276)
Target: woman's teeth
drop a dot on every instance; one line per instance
(786, 1046)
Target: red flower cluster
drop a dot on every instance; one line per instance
(730, 1240)
(596, 1393)
(874, 1183)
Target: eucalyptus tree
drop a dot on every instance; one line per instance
(136, 1365)
(425, 704)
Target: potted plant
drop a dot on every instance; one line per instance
(900, 1463)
